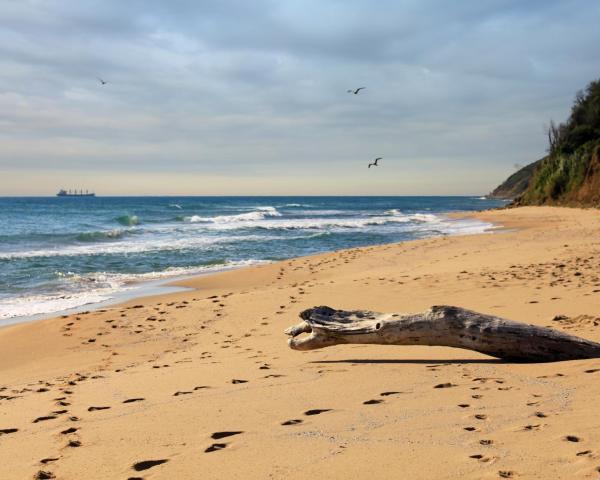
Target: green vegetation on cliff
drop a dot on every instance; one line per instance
(570, 173)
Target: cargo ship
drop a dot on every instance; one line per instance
(74, 193)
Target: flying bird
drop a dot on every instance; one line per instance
(375, 162)
(102, 82)
(355, 92)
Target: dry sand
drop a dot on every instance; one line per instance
(201, 384)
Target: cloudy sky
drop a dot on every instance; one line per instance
(249, 96)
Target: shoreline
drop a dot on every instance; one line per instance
(166, 378)
(149, 288)
(152, 287)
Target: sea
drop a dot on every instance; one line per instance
(58, 254)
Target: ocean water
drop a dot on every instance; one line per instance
(62, 253)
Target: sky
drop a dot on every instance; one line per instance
(240, 97)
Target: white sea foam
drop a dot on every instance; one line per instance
(141, 245)
(315, 213)
(393, 211)
(259, 214)
(203, 233)
(40, 304)
(80, 290)
(327, 223)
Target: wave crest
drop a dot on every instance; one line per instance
(260, 213)
(128, 220)
(99, 236)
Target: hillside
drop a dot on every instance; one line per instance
(570, 173)
(516, 184)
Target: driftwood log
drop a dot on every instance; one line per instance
(442, 326)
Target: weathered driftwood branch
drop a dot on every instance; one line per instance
(441, 326)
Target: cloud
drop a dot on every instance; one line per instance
(232, 89)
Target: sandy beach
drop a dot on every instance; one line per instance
(202, 384)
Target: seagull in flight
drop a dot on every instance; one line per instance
(375, 162)
(355, 92)
(102, 82)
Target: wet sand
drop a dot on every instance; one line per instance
(201, 383)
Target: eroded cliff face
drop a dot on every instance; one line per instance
(589, 191)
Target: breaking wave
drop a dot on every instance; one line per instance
(260, 214)
(99, 236)
(128, 220)
(79, 290)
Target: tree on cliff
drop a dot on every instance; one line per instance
(582, 126)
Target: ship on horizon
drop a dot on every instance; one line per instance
(74, 193)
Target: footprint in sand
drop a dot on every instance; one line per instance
(236, 381)
(317, 411)
(532, 427)
(444, 385)
(482, 458)
(294, 421)
(131, 400)
(220, 435)
(6, 431)
(176, 394)
(146, 464)
(480, 416)
(372, 402)
(93, 409)
(43, 475)
(44, 461)
(215, 446)
(385, 394)
(74, 443)
(572, 438)
(585, 452)
(470, 429)
(47, 417)
(69, 430)
(507, 474)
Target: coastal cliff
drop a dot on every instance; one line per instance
(570, 173)
(566, 179)
(516, 184)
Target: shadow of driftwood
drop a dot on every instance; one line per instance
(417, 361)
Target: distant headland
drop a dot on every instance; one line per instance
(570, 173)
